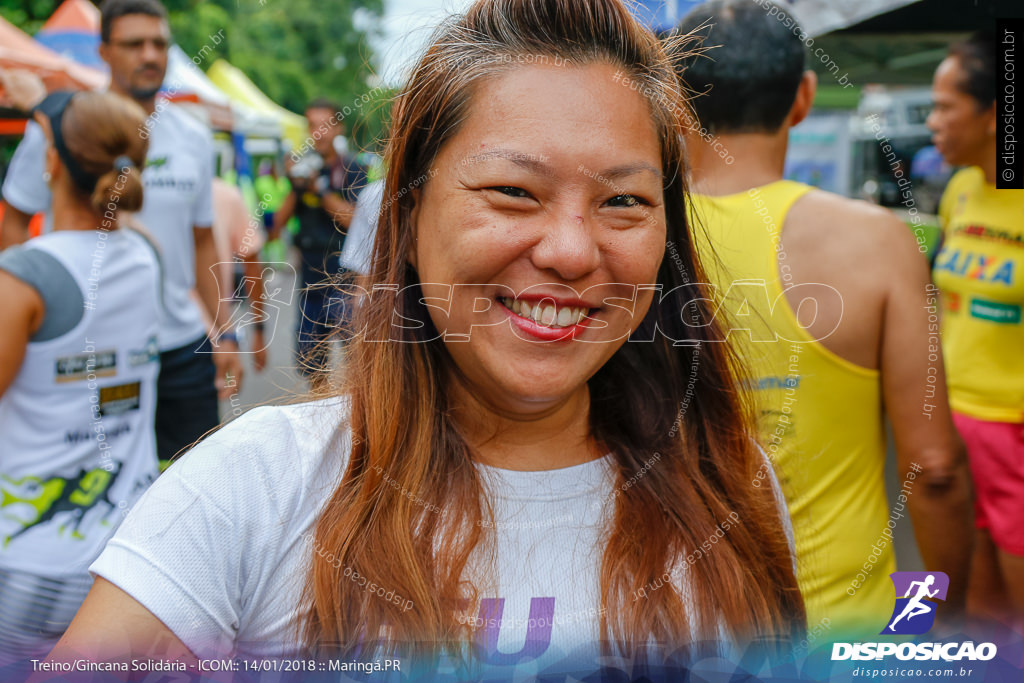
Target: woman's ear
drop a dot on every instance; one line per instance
(417, 202)
(51, 161)
(53, 166)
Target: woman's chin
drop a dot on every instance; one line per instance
(516, 395)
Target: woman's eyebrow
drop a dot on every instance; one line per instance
(531, 162)
(624, 170)
(535, 163)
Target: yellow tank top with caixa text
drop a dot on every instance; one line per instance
(980, 272)
(820, 416)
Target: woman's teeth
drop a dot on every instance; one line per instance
(548, 315)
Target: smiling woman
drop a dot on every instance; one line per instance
(475, 465)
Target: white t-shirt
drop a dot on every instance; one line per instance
(217, 548)
(77, 447)
(178, 197)
(77, 420)
(362, 230)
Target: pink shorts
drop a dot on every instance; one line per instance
(995, 451)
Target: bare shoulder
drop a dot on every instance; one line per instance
(859, 250)
(842, 232)
(22, 300)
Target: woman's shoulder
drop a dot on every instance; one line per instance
(212, 547)
(284, 453)
(298, 433)
(309, 420)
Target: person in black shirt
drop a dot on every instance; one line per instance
(325, 184)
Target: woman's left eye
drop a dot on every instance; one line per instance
(510, 190)
(627, 200)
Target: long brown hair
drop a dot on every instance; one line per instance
(680, 400)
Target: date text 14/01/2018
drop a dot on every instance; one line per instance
(286, 665)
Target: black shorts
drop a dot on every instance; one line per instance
(186, 397)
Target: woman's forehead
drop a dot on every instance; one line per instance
(527, 113)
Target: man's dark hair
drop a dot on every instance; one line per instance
(977, 57)
(323, 103)
(750, 69)
(112, 10)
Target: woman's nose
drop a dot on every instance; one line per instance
(568, 248)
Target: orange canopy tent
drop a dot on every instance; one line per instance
(18, 50)
(74, 15)
(73, 31)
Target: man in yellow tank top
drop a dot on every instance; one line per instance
(830, 302)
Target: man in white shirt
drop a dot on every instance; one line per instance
(177, 210)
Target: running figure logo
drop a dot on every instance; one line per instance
(913, 614)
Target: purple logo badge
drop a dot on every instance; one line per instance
(914, 612)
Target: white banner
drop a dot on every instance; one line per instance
(818, 17)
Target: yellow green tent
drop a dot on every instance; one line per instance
(239, 88)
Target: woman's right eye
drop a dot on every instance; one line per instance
(510, 190)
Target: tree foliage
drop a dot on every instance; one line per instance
(293, 50)
(28, 15)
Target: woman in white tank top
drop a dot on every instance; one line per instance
(78, 366)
